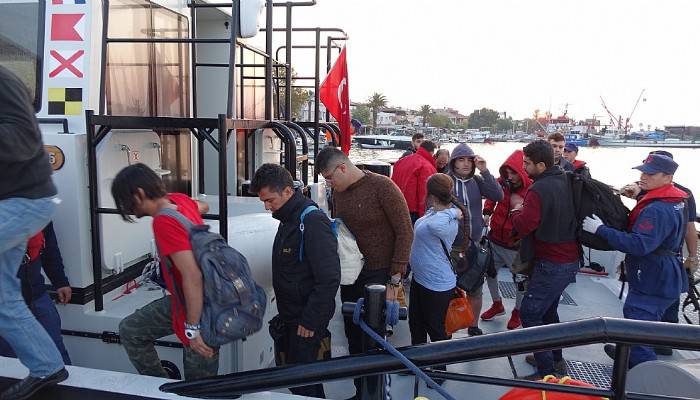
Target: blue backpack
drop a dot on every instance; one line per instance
(234, 305)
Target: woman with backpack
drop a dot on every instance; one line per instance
(433, 279)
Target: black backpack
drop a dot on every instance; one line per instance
(594, 197)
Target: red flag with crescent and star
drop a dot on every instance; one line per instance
(334, 95)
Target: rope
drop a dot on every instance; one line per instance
(393, 317)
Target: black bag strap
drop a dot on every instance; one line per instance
(447, 254)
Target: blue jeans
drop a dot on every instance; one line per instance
(19, 220)
(539, 307)
(646, 308)
(45, 312)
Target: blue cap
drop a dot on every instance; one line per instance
(663, 153)
(571, 147)
(656, 163)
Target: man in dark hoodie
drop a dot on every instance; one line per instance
(470, 189)
(504, 243)
(26, 204)
(305, 269)
(547, 223)
(411, 175)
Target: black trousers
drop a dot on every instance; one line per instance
(302, 350)
(353, 292)
(426, 314)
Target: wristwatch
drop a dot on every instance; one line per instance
(191, 331)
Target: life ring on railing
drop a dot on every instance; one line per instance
(532, 394)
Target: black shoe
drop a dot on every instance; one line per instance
(610, 350)
(532, 377)
(474, 331)
(26, 388)
(559, 366)
(663, 351)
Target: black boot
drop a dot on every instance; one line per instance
(26, 388)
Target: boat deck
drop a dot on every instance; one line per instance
(590, 296)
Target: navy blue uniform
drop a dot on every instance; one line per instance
(655, 274)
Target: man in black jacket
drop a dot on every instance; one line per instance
(43, 254)
(305, 270)
(26, 205)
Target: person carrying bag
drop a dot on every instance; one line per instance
(434, 281)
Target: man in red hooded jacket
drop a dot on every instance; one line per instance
(411, 176)
(504, 243)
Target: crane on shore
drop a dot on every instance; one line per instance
(617, 121)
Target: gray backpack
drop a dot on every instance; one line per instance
(234, 305)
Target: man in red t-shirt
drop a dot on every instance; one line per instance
(139, 191)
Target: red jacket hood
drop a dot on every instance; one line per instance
(411, 174)
(667, 193)
(501, 224)
(424, 153)
(515, 162)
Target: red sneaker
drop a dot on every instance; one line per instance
(495, 310)
(514, 321)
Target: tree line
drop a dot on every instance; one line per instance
(482, 118)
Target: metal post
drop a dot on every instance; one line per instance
(288, 67)
(200, 164)
(268, 62)
(619, 376)
(94, 216)
(329, 41)
(103, 56)
(372, 387)
(231, 99)
(317, 99)
(193, 34)
(223, 178)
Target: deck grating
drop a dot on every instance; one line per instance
(508, 290)
(598, 375)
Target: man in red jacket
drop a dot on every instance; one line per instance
(504, 243)
(411, 176)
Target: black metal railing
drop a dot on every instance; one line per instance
(622, 332)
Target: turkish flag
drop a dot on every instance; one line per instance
(334, 95)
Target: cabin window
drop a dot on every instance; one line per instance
(22, 42)
(147, 79)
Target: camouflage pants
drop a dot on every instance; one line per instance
(139, 330)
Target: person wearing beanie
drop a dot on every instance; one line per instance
(653, 246)
(470, 189)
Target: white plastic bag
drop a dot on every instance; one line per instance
(351, 259)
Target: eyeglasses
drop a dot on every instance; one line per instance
(330, 176)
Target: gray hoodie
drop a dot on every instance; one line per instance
(471, 190)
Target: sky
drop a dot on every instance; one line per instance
(517, 56)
